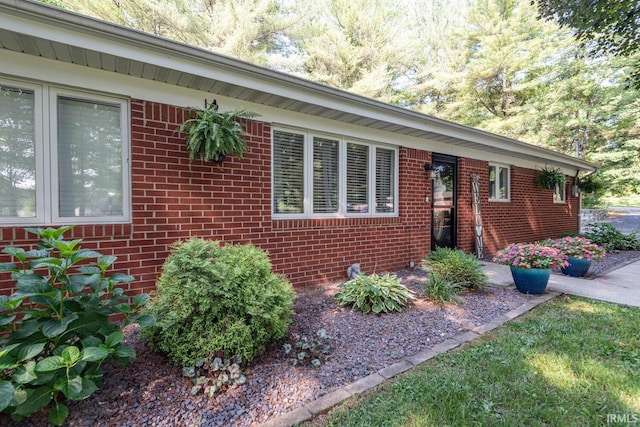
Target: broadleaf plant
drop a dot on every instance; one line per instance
(374, 293)
(55, 332)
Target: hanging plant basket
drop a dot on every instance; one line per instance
(591, 185)
(548, 178)
(211, 135)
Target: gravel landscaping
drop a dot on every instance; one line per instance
(152, 392)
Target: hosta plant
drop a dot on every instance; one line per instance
(611, 238)
(215, 375)
(314, 349)
(380, 294)
(55, 329)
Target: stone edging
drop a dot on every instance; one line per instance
(328, 401)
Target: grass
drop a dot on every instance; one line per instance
(626, 201)
(569, 362)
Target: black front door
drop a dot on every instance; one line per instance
(443, 218)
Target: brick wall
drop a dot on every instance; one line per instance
(530, 215)
(173, 200)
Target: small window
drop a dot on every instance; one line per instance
(18, 145)
(499, 183)
(90, 164)
(560, 194)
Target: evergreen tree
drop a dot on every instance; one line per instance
(244, 29)
(357, 45)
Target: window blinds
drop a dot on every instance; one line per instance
(288, 172)
(357, 178)
(385, 185)
(325, 175)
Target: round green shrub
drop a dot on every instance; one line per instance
(213, 299)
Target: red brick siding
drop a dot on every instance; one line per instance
(173, 200)
(530, 215)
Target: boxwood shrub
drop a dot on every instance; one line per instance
(214, 300)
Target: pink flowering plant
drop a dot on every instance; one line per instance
(531, 255)
(577, 247)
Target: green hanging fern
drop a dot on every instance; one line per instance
(591, 184)
(212, 135)
(548, 178)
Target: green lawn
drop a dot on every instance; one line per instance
(628, 201)
(569, 362)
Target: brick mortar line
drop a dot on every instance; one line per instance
(325, 403)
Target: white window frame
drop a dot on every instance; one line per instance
(496, 189)
(46, 152)
(308, 136)
(560, 193)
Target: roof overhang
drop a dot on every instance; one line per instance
(34, 28)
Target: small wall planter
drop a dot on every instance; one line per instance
(578, 267)
(531, 280)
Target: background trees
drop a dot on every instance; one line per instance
(607, 27)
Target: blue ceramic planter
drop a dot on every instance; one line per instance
(577, 267)
(531, 280)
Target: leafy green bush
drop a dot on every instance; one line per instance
(380, 294)
(443, 291)
(54, 330)
(455, 266)
(611, 238)
(214, 300)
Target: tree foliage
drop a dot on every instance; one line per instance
(607, 27)
(245, 29)
(612, 25)
(355, 45)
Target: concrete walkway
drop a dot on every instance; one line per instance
(621, 286)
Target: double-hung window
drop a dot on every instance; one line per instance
(316, 175)
(63, 156)
(499, 183)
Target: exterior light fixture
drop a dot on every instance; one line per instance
(428, 167)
